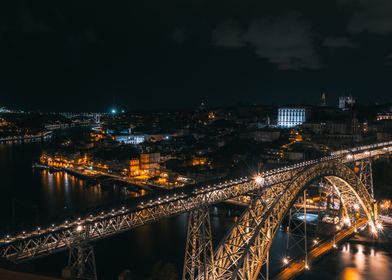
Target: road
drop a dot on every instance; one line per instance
(297, 267)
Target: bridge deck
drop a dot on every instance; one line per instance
(295, 268)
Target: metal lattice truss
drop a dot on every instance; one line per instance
(198, 263)
(243, 251)
(296, 235)
(366, 175)
(262, 216)
(51, 240)
(82, 262)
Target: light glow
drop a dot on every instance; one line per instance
(259, 179)
(347, 221)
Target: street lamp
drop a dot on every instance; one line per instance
(79, 228)
(259, 179)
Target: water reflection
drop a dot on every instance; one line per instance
(354, 261)
(63, 192)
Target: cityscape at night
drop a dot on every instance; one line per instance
(196, 140)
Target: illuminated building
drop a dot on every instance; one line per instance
(199, 161)
(150, 161)
(134, 166)
(290, 117)
(133, 139)
(211, 116)
(346, 102)
(384, 117)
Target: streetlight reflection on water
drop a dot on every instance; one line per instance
(359, 261)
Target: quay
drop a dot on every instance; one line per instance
(22, 138)
(97, 176)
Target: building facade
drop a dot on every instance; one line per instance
(290, 117)
(150, 162)
(346, 102)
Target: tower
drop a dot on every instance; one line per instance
(323, 101)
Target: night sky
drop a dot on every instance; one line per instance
(152, 54)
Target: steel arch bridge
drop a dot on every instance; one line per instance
(243, 251)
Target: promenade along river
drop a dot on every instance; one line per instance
(33, 197)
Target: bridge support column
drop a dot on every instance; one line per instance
(198, 262)
(366, 175)
(81, 262)
(297, 239)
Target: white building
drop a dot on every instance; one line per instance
(346, 102)
(290, 117)
(134, 139)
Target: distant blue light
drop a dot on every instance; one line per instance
(114, 111)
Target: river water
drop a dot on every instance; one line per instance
(32, 197)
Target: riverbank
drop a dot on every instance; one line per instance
(26, 138)
(14, 275)
(97, 177)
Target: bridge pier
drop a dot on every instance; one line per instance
(81, 263)
(297, 239)
(198, 262)
(366, 175)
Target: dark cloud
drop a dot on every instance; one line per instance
(227, 34)
(338, 42)
(284, 40)
(89, 51)
(373, 16)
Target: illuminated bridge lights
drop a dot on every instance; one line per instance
(373, 229)
(346, 221)
(349, 157)
(379, 226)
(52, 239)
(259, 179)
(79, 228)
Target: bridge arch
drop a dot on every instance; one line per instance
(243, 250)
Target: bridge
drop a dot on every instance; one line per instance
(244, 250)
(91, 115)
